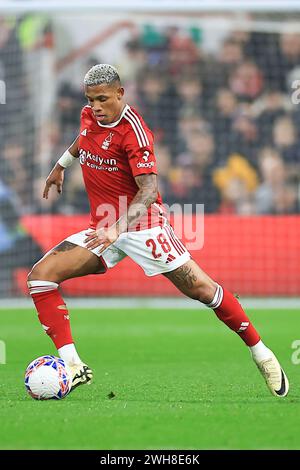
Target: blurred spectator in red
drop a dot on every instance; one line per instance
(183, 54)
(246, 81)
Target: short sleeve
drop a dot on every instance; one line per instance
(86, 119)
(138, 146)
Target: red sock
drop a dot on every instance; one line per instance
(230, 311)
(52, 311)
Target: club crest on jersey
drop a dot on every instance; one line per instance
(107, 141)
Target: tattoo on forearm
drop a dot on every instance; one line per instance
(148, 201)
(146, 195)
(64, 246)
(183, 277)
(139, 206)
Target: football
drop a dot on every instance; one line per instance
(47, 378)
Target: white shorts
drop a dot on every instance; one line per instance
(157, 250)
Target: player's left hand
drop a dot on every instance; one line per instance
(102, 238)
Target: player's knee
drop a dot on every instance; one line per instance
(204, 291)
(41, 273)
(31, 274)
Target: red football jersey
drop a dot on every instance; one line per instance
(111, 156)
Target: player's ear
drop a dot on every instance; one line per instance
(120, 92)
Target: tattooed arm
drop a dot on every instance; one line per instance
(146, 195)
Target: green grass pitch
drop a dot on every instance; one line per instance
(181, 380)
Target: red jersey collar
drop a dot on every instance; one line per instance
(114, 124)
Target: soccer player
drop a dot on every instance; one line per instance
(115, 150)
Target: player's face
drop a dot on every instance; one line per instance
(106, 101)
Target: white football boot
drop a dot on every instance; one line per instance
(274, 376)
(81, 374)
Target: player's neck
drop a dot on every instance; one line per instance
(117, 119)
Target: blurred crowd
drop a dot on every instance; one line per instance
(226, 124)
(226, 128)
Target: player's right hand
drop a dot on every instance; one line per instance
(56, 177)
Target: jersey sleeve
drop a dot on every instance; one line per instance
(138, 146)
(85, 118)
(84, 113)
